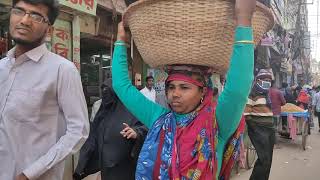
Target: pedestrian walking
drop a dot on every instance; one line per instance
(316, 105)
(148, 91)
(114, 143)
(303, 99)
(43, 112)
(183, 141)
(277, 100)
(259, 118)
(288, 93)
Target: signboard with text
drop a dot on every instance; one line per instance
(61, 39)
(86, 6)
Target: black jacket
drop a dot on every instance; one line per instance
(106, 147)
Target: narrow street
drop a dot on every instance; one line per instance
(290, 162)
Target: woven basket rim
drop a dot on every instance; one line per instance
(262, 21)
(136, 5)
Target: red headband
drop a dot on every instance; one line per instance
(185, 78)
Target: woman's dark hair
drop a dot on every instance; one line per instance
(215, 91)
(197, 78)
(53, 7)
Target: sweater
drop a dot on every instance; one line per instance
(231, 102)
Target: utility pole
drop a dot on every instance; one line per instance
(316, 53)
(296, 41)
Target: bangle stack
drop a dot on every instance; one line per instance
(120, 43)
(244, 42)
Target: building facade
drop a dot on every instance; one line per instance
(286, 48)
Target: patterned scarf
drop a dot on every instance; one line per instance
(202, 131)
(232, 151)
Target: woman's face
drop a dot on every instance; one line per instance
(183, 97)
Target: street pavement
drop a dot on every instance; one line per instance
(290, 162)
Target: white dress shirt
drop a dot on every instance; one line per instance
(95, 109)
(150, 94)
(316, 101)
(43, 114)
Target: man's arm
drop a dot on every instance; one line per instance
(315, 102)
(234, 97)
(73, 105)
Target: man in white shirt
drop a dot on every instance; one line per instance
(316, 104)
(149, 91)
(43, 113)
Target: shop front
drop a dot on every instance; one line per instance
(5, 41)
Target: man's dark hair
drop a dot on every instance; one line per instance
(284, 85)
(149, 77)
(53, 7)
(298, 88)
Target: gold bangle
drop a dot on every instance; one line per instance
(245, 42)
(120, 44)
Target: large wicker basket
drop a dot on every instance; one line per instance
(197, 32)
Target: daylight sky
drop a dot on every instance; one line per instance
(314, 28)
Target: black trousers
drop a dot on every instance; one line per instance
(124, 170)
(318, 116)
(262, 137)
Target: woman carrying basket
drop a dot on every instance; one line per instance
(190, 140)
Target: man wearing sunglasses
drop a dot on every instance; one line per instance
(43, 114)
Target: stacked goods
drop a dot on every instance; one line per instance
(291, 108)
(197, 32)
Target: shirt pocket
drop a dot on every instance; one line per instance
(24, 105)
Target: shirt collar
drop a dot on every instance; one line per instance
(10, 53)
(34, 54)
(149, 89)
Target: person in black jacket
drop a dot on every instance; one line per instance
(288, 94)
(114, 142)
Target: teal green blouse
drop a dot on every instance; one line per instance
(231, 102)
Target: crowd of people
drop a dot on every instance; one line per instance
(263, 118)
(44, 115)
(304, 96)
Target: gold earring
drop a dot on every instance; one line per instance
(201, 100)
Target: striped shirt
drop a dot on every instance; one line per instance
(257, 106)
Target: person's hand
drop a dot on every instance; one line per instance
(244, 10)
(21, 177)
(128, 132)
(121, 36)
